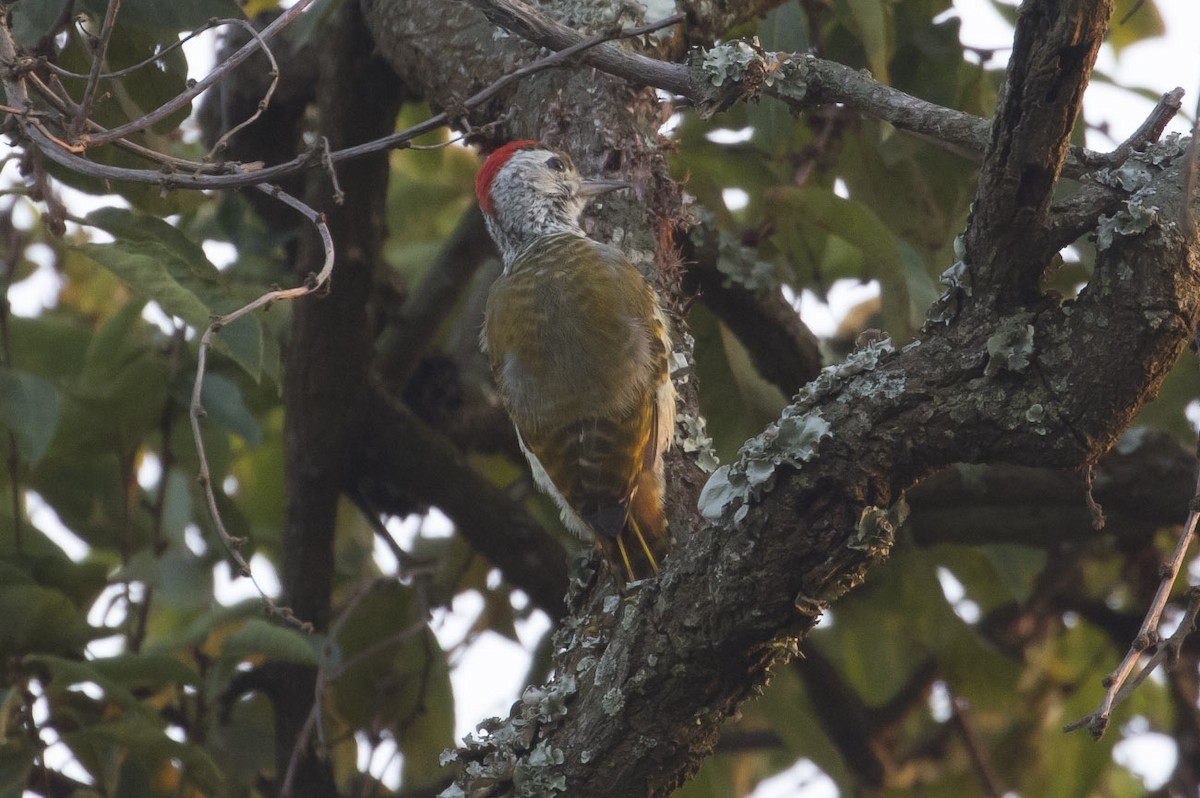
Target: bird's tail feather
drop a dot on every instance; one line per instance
(637, 551)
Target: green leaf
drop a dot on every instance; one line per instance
(1016, 566)
(140, 738)
(40, 619)
(66, 673)
(81, 582)
(16, 760)
(245, 744)
(146, 268)
(786, 704)
(185, 580)
(29, 408)
(50, 345)
(874, 29)
(34, 19)
(257, 639)
(159, 262)
(1134, 21)
(168, 17)
(385, 642)
(143, 670)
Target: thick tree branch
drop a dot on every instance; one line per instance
(734, 595)
(782, 348)
(1141, 485)
(1053, 53)
(395, 451)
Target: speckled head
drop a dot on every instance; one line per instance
(493, 164)
(527, 191)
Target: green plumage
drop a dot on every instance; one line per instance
(577, 348)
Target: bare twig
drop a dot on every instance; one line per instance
(237, 176)
(407, 565)
(98, 55)
(817, 82)
(1148, 637)
(326, 675)
(219, 147)
(181, 100)
(1148, 132)
(233, 545)
(157, 56)
(989, 780)
(1094, 508)
(169, 162)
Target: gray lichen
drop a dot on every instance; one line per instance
(740, 264)
(538, 775)
(1137, 171)
(741, 69)
(1134, 219)
(691, 435)
(862, 360)
(958, 276)
(1036, 414)
(1010, 347)
(793, 440)
(613, 702)
(729, 61)
(957, 279)
(503, 751)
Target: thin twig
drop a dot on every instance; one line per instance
(182, 99)
(325, 675)
(238, 176)
(1148, 132)
(327, 164)
(407, 565)
(262, 104)
(233, 545)
(1148, 636)
(157, 56)
(169, 162)
(980, 760)
(98, 55)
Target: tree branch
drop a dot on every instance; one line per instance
(396, 451)
(1053, 53)
(733, 72)
(1144, 482)
(782, 348)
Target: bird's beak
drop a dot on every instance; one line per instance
(594, 188)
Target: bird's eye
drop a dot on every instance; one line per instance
(556, 164)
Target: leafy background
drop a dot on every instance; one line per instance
(137, 670)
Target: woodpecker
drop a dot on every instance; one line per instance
(578, 346)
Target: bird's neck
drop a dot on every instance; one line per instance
(514, 238)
